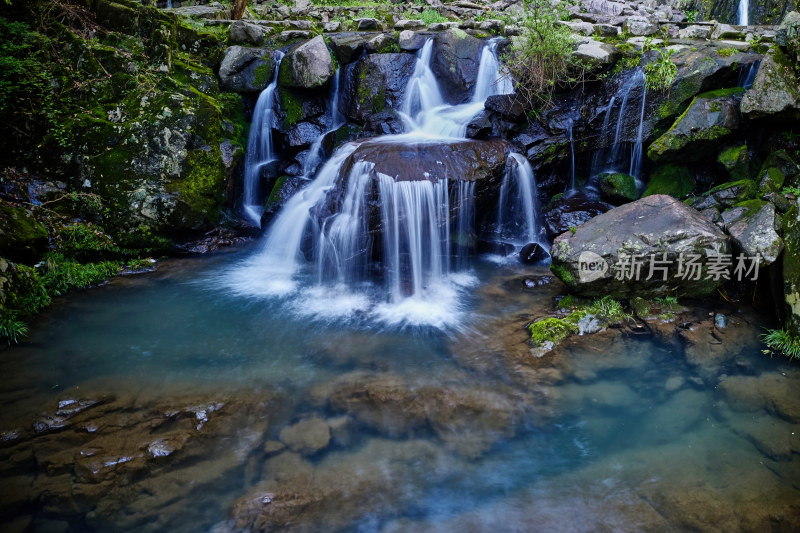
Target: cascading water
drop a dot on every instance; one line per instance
(353, 225)
(518, 211)
(748, 75)
(336, 119)
(571, 157)
(742, 12)
(259, 149)
(613, 158)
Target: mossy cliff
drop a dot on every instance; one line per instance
(134, 115)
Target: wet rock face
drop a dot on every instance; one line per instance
(22, 237)
(455, 61)
(791, 268)
(755, 229)
(377, 83)
(462, 160)
(568, 212)
(605, 248)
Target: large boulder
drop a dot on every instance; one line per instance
(246, 70)
(775, 92)
(596, 53)
(791, 268)
(307, 65)
(455, 63)
(241, 32)
(615, 253)
(377, 83)
(755, 229)
(710, 117)
(347, 47)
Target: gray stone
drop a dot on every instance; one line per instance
(604, 7)
(581, 28)
(368, 24)
(641, 26)
(411, 41)
(491, 26)
(455, 63)
(380, 43)
(307, 65)
(789, 29)
(754, 229)
(658, 226)
(791, 268)
(378, 83)
(726, 31)
(333, 26)
(241, 32)
(694, 32)
(307, 437)
(246, 69)
(406, 24)
(607, 30)
(596, 52)
(775, 92)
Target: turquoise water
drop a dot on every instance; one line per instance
(430, 430)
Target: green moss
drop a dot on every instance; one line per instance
(21, 235)
(674, 180)
(292, 107)
(719, 93)
(743, 189)
(726, 52)
(262, 75)
(550, 330)
(202, 187)
(771, 179)
(275, 195)
(751, 206)
(618, 186)
(563, 274)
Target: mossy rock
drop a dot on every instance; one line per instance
(550, 330)
(618, 187)
(22, 237)
(734, 192)
(674, 180)
(791, 268)
(770, 179)
(784, 162)
(736, 160)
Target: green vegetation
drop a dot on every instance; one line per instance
(782, 341)
(794, 191)
(676, 181)
(542, 61)
(349, 3)
(691, 16)
(605, 311)
(11, 328)
(726, 52)
(661, 73)
(367, 14)
(429, 16)
(60, 274)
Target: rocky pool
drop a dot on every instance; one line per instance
(168, 401)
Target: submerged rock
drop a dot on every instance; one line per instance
(613, 253)
(307, 437)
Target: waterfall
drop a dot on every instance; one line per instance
(613, 158)
(571, 157)
(742, 12)
(336, 119)
(259, 149)
(518, 212)
(748, 75)
(169, 4)
(424, 111)
(356, 240)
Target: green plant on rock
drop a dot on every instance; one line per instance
(661, 73)
(726, 52)
(11, 328)
(794, 191)
(550, 330)
(783, 342)
(429, 16)
(61, 274)
(691, 16)
(541, 61)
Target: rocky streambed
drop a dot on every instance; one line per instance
(667, 422)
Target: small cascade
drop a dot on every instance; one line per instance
(571, 156)
(335, 119)
(464, 202)
(613, 158)
(353, 229)
(742, 13)
(169, 4)
(424, 110)
(259, 149)
(518, 212)
(748, 75)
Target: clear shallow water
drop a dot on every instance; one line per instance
(459, 430)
